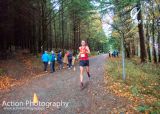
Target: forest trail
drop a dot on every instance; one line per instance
(64, 86)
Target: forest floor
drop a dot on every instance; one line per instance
(64, 86)
(141, 86)
(19, 68)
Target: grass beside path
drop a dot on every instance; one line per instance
(141, 86)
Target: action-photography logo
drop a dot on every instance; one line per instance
(31, 105)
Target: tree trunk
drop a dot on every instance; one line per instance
(159, 46)
(62, 17)
(159, 35)
(159, 41)
(141, 34)
(148, 43)
(127, 49)
(55, 33)
(154, 49)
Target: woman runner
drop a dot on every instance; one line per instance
(84, 60)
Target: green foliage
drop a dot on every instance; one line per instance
(93, 53)
(121, 4)
(134, 90)
(143, 108)
(149, 108)
(114, 43)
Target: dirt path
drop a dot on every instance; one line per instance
(64, 86)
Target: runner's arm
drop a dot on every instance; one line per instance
(88, 50)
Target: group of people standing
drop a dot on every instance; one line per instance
(49, 58)
(115, 53)
(83, 55)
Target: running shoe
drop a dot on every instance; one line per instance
(81, 84)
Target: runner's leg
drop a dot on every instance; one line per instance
(81, 75)
(87, 69)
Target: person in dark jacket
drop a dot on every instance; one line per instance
(70, 55)
(45, 60)
(114, 53)
(59, 59)
(117, 53)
